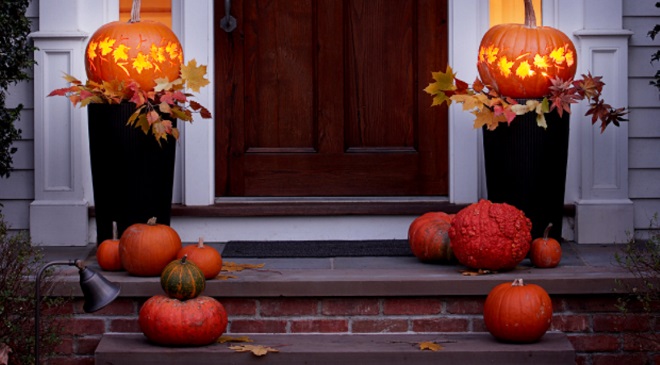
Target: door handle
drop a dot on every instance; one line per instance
(228, 23)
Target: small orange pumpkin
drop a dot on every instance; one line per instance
(145, 249)
(107, 254)
(518, 312)
(207, 258)
(545, 252)
(520, 60)
(429, 238)
(135, 50)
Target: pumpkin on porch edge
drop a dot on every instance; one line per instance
(518, 312)
(490, 236)
(182, 279)
(545, 252)
(139, 50)
(520, 60)
(172, 322)
(428, 237)
(145, 249)
(107, 253)
(207, 258)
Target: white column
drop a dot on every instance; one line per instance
(604, 213)
(192, 21)
(58, 215)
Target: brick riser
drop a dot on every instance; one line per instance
(592, 324)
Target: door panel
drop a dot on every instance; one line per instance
(324, 97)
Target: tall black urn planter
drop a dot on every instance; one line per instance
(526, 167)
(132, 175)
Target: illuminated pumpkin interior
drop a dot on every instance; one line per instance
(158, 10)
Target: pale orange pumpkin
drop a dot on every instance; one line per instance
(140, 50)
(145, 249)
(107, 254)
(520, 60)
(207, 258)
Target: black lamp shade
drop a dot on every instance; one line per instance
(98, 290)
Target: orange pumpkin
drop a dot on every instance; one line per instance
(518, 312)
(107, 254)
(207, 258)
(145, 249)
(135, 50)
(429, 239)
(520, 60)
(545, 252)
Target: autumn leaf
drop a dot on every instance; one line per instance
(469, 102)
(193, 75)
(444, 82)
(229, 266)
(477, 272)
(256, 350)
(225, 339)
(430, 345)
(4, 353)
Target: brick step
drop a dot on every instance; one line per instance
(346, 349)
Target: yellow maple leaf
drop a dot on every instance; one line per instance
(469, 102)
(524, 70)
(173, 50)
(491, 53)
(141, 62)
(193, 75)
(163, 83)
(157, 53)
(91, 50)
(256, 350)
(570, 59)
(504, 65)
(121, 53)
(429, 345)
(558, 56)
(225, 339)
(486, 117)
(541, 62)
(229, 266)
(106, 45)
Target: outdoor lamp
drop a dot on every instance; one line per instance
(97, 290)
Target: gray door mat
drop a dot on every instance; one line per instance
(272, 249)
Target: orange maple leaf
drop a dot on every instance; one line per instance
(193, 75)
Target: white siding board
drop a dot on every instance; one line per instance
(644, 123)
(26, 124)
(20, 93)
(644, 153)
(23, 159)
(640, 27)
(16, 214)
(644, 183)
(639, 61)
(639, 8)
(641, 94)
(645, 209)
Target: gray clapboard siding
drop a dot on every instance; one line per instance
(644, 123)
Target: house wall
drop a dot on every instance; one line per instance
(644, 103)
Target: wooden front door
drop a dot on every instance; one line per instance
(325, 98)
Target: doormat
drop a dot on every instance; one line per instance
(273, 249)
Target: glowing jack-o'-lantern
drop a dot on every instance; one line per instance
(520, 60)
(139, 50)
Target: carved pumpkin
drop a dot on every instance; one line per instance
(194, 322)
(520, 60)
(135, 50)
(182, 279)
(545, 252)
(145, 249)
(491, 236)
(429, 238)
(518, 312)
(207, 258)
(107, 254)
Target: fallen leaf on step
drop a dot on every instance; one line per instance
(234, 267)
(4, 353)
(225, 339)
(256, 350)
(225, 277)
(477, 273)
(429, 345)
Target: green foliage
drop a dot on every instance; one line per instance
(16, 58)
(19, 263)
(642, 259)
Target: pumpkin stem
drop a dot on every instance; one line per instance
(114, 231)
(184, 258)
(518, 282)
(200, 243)
(546, 233)
(530, 16)
(135, 12)
(152, 221)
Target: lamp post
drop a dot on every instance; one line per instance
(97, 291)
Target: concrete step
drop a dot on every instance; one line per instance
(345, 349)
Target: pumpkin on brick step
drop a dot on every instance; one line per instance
(107, 254)
(145, 249)
(182, 279)
(139, 50)
(428, 236)
(490, 236)
(207, 258)
(518, 312)
(520, 60)
(545, 252)
(172, 322)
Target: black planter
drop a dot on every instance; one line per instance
(526, 167)
(132, 175)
